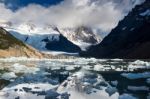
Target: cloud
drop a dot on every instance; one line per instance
(6, 14)
(102, 14)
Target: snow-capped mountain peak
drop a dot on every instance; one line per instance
(31, 28)
(35, 35)
(81, 36)
(28, 27)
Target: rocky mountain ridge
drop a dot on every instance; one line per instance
(130, 39)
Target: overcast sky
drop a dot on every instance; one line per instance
(104, 14)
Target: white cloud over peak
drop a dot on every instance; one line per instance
(104, 14)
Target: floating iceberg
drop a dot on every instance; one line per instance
(8, 76)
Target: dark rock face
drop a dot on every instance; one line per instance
(130, 39)
(62, 45)
(7, 40)
(82, 32)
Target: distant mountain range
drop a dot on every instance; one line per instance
(53, 38)
(130, 39)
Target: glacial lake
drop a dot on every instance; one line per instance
(74, 79)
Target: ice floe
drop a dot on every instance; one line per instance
(114, 83)
(138, 88)
(127, 96)
(138, 64)
(8, 76)
(18, 68)
(16, 59)
(99, 68)
(136, 75)
(148, 80)
(26, 91)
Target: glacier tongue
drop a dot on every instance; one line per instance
(35, 39)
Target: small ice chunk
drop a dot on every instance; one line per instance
(99, 67)
(117, 59)
(18, 68)
(127, 96)
(138, 88)
(136, 75)
(137, 67)
(119, 69)
(148, 81)
(70, 68)
(111, 90)
(8, 76)
(115, 83)
(50, 94)
(55, 68)
(139, 62)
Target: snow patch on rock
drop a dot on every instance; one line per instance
(146, 13)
